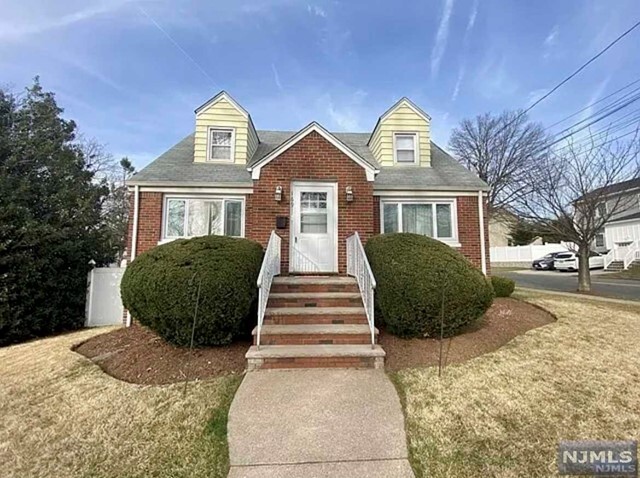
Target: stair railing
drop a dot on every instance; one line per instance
(609, 257)
(630, 256)
(358, 267)
(269, 269)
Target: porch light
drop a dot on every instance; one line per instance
(278, 194)
(349, 193)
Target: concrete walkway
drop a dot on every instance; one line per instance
(317, 423)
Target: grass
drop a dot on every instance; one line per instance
(63, 417)
(502, 414)
(633, 273)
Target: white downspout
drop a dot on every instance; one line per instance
(134, 235)
(483, 252)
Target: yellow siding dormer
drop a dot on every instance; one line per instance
(395, 128)
(223, 114)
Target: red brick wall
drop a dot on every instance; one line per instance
(149, 222)
(468, 228)
(311, 159)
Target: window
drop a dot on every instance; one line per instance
(404, 147)
(221, 142)
(601, 210)
(434, 219)
(190, 217)
(600, 239)
(313, 213)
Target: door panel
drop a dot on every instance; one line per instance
(313, 228)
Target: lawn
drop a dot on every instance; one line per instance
(502, 414)
(63, 417)
(633, 273)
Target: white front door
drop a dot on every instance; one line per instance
(314, 228)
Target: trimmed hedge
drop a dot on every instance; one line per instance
(412, 272)
(502, 286)
(159, 288)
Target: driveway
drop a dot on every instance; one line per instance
(317, 423)
(568, 282)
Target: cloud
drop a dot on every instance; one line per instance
(276, 77)
(14, 30)
(550, 41)
(317, 11)
(347, 116)
(535, 95)
(456, 88)
(441, 37)
(472, 17)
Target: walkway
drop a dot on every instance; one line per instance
(317, 423)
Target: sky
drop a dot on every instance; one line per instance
(131, 73)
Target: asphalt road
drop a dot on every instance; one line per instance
(568, 282)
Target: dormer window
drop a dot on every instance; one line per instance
(405, 148)
(221, 142)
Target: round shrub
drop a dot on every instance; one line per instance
(414, 275)
(160, 286)
(502, 286)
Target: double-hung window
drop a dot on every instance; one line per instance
(190, 217)
(221, 142)
(430, 218)
(405, 147)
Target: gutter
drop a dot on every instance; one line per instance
(134, 235)
(483, 252)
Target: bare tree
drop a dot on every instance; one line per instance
(570, 190)
(501, 150)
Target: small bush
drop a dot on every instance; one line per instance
(412, 273)
(502, 286)
(159, 288)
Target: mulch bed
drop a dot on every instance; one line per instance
(507, 318)
(137, 355)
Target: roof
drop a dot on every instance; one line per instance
(628, 217)
(406, 101)
(445, 173)
(176, 167)
(618, 187)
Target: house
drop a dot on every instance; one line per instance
(314, 189)
(620, 237)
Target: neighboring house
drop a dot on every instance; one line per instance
(303, 195)
(312, 186)
(621, 234)
(501, 223)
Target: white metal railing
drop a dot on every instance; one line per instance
(358, 267)
(609, 257)
(270, 268)
(630, 256)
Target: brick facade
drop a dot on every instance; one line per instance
(149, 222)
(311, 159)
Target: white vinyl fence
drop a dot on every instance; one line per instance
(104, 305)
(525, 253)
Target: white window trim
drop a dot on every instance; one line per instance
(452, 241)
(416, 148)
(232, 151)
(186, 197)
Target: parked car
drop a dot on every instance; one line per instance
(568, 261)
(545, 263)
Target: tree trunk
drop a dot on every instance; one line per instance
(584, 275)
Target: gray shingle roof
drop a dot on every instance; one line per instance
(445, 173)
(176, 167)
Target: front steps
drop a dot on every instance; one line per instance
(314, 322)
(616, 266)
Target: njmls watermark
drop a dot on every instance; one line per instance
(599, 458)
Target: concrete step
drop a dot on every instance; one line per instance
(315, 315)
(304, 334)
(313, 284)
(315, 299)
(315, 356)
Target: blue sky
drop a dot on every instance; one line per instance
(131, 73)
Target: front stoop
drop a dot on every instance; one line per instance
(315, 322)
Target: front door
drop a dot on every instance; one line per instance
(314, 228)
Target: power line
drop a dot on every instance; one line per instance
(595, 103)
(568, 78)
